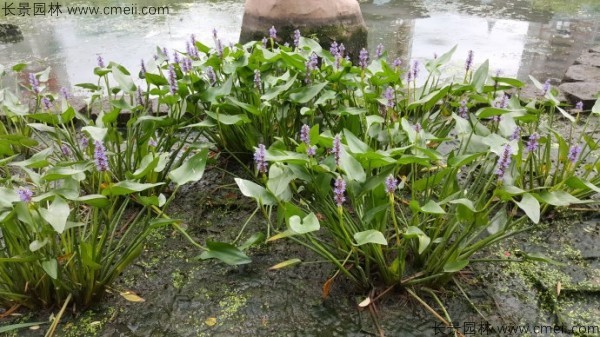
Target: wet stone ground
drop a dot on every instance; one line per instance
(185, 296)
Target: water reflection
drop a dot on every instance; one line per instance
(520, 37)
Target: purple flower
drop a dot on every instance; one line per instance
(574, 152)
(84, 142)
(257, 80)
(409, 75)
(142, 69)
(546, 88)
(502, 103)
(264, 42)
(212, 77)
(532, 142)
(100, 158)
(175, 57)
(463, 110)
(397, 63)
(65, 93)
(193, 38)
(342, 49)
(311, 150)
(46, 102)
(389, 95)
(379, 50)
(64, 148)
(496, 119)
(334, 49)
(415, 69)
(219, 47)
(516, 134)
(418, 127)
(305, 134)
(191, 49)
(363, 58)
(152, 142)
(172, 80)
(139, 96)
(579, 105)
(100, 61)
(186, 66)
(391, 184)
(214, 32)
(337, 149)
(35, 84)
(166, 54)
(273, 32)
(313, 62)
(297, 38)
(504, 161)
(259, 158)
(469, 61)
(338, 191)
(25, 194)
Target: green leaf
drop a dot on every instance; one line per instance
(157, 80)
(576, 182)
(596, 107)
(38, 160)
(354, 144)
(94, 200)
(228, 119)
(127, 187)
(432, 207)
(415, 232)
(465, 202)
(310, 223)
(352, 167)
(76, 172)
(280, 177)
(370, 236)
(286, 263)
(255, 191)
(97, 133)
(559, 198)
(36, 245)
(124, 80)
(566, 114)
(225, 252)
(11, 327)
(480, 76)
(57, 214)
(51, 268)
(455, 266)
(530, 206)
(191, 170)
(305, 94)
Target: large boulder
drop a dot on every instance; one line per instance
(10, 33)
(331, 20)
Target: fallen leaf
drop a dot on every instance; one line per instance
(365, 303)
(132, 297)
(558, 288)
(327, 287)
(211, 321)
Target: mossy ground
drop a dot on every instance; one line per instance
(185, 296)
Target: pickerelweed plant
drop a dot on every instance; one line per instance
(417, 178)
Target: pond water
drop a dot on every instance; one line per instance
(519, 37)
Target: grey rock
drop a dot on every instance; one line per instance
(582, 73)
(10, 33)
(589, 58)
(586, 92)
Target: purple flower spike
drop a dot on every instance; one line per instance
(502, 103)
(504, 161)
(389, 95)
(257, 80)
(338, 191)
(259, 158)
(100, 158)
(311, 151)
(84, 142)
(46, 102)
(391, 184)
(219, 47)
(516, 134)
(363, 58)
(546, 88)
(100, 61)
(334, 49)
(418, 127)
(139, 96)
(415, 69)
(463, 110)
(532, 143)
(65, 93)
(397, 63)
(574, 153)
(25, 194)
(379, 51)
(176, 57)
(35, 84)
(273, 32)
(305, 134)
(212, 77)
(337, 149)
(579, 105)
(297, 38)
(152, 142)
(342, 49)
(469, 61)
(143, 68)
(214, 33)
(186, 66)
(64, 148)
(166, 54)
(264, 42)
(172, 80)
